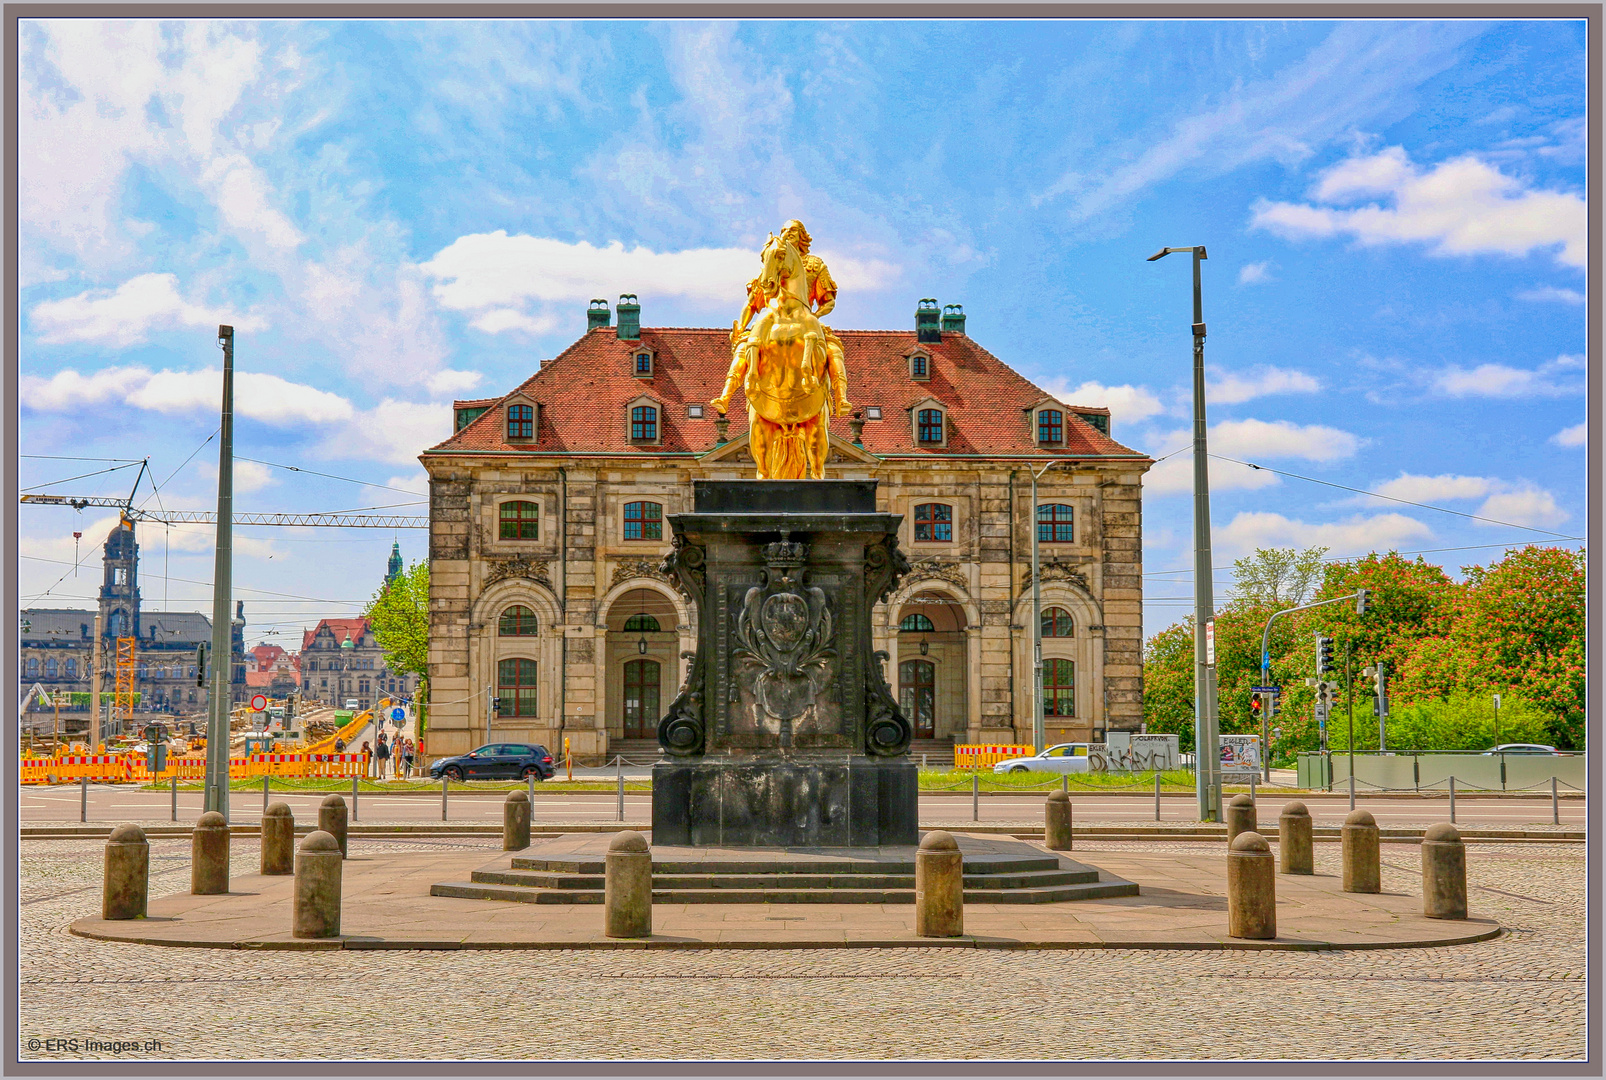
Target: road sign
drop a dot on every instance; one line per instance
(398, 714)
(1266, 689)
(259, 702)
(1210, 642)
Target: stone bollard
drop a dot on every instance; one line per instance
(627, 887)
(516, 821)
(209, 855)
(1363, 870)
(278, 840)
(1296, 839)
(332, 820)
(1241, 817)
(939, 886)
(317, 901)
(1444, 873)
(1251, 888)
(1057, 822)
(127, 882)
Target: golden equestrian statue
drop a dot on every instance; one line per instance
(786, 362)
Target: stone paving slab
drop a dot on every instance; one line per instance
(1181, 905)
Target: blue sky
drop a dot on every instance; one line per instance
(396, 213)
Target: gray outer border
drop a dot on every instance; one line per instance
(1595, 695)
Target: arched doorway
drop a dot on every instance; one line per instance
(917, 696)
(643, 684)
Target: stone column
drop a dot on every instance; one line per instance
(332, 820)
(278, 840)
(1444, 872)
(1295, 838)
(1363, 871)
(127, 882)
(317, 900)
(1251, 888)
(1241, 817)
(1057, 822)
(939, 887)
(209, 855)
(516, 821)
(627, 887)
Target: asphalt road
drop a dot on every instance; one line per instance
(60, 804)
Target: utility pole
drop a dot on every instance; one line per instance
(1349, 703)
(1039, 727)
(94, 676)
(217, 713)
(1206, 722)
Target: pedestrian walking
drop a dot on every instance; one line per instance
(381, 755)
(409, 758)
(340, 745)
(367, 759)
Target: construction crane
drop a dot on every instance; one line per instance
(208, 517)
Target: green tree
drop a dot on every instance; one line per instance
(399, 615)
(1168, 682)
(1278, 577)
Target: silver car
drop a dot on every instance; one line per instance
(1064, 758)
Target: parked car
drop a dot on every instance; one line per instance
(497, 761)
(1064, 758)
(1522, 748)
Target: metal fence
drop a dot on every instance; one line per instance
(1376, 771)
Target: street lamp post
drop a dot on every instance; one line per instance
(218, 711)
(1039, 723)
(1206, 738)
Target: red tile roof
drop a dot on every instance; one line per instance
(584, 390)
(340, 628)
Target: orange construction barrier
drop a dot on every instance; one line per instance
(986, 755)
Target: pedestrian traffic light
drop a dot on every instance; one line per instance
(1324, 655)
(496, 706)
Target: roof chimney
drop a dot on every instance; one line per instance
(629, 317)
(926, 327)
(953, 319)
(598, 314)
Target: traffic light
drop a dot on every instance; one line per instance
(496, 706)
(1255, 706)
(1324, 656)
(1380, 697)
(1360, 601)
(1273, 705)
(200, 665)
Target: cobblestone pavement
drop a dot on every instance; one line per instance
(1520, 996)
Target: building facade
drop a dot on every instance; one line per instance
(549, 507)
(342, 661)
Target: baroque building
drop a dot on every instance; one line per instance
(342, 661)
(550, 618)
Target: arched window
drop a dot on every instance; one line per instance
(72, 668)
(645, 624)
(515, 685)
(644, 521)
(934, 522)
(1054, 524)
(642, 681)
(643, 424)
(50, 668)
(1059, 688)
(916, 621)
(1057, 623)
(1050, 426)
(520, 521)
(517, 621)
(930, 425)
(33, 667)
(520, 422)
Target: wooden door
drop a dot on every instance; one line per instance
(641, 699)
(917, 695)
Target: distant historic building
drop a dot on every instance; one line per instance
(548, 519)
(342, 661)
(58, 644)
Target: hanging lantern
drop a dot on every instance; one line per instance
(925, 646)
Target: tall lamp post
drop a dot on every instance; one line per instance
(1206, 726)
(217, 721)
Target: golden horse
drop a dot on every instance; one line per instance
(784, 368)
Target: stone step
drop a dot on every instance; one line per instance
(1014, 864)
(545, 880)
(1045, 895)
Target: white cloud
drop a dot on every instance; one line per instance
(1250, 439)
(393, 431)
(1525, 506)
(129, 314)
(1174, 476)
(1436, 488)
(1250, 530)
(1230, 388)
(243, 197)
(1504, 381)
(1577, 435)
(1255, 273)
(249, 476)
(452, 382)
(501, 320)
(1127, 403)
(257, 396)
(1461, 207)
(1551, 293)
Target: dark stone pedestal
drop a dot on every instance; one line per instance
(785, 733)
(738, 802)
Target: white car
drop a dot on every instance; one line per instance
(1064, 758)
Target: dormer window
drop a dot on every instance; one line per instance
(641, 364)
(929, 426)
(520, 422)
(1050, 427)
(643, 424)
(919, 366)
